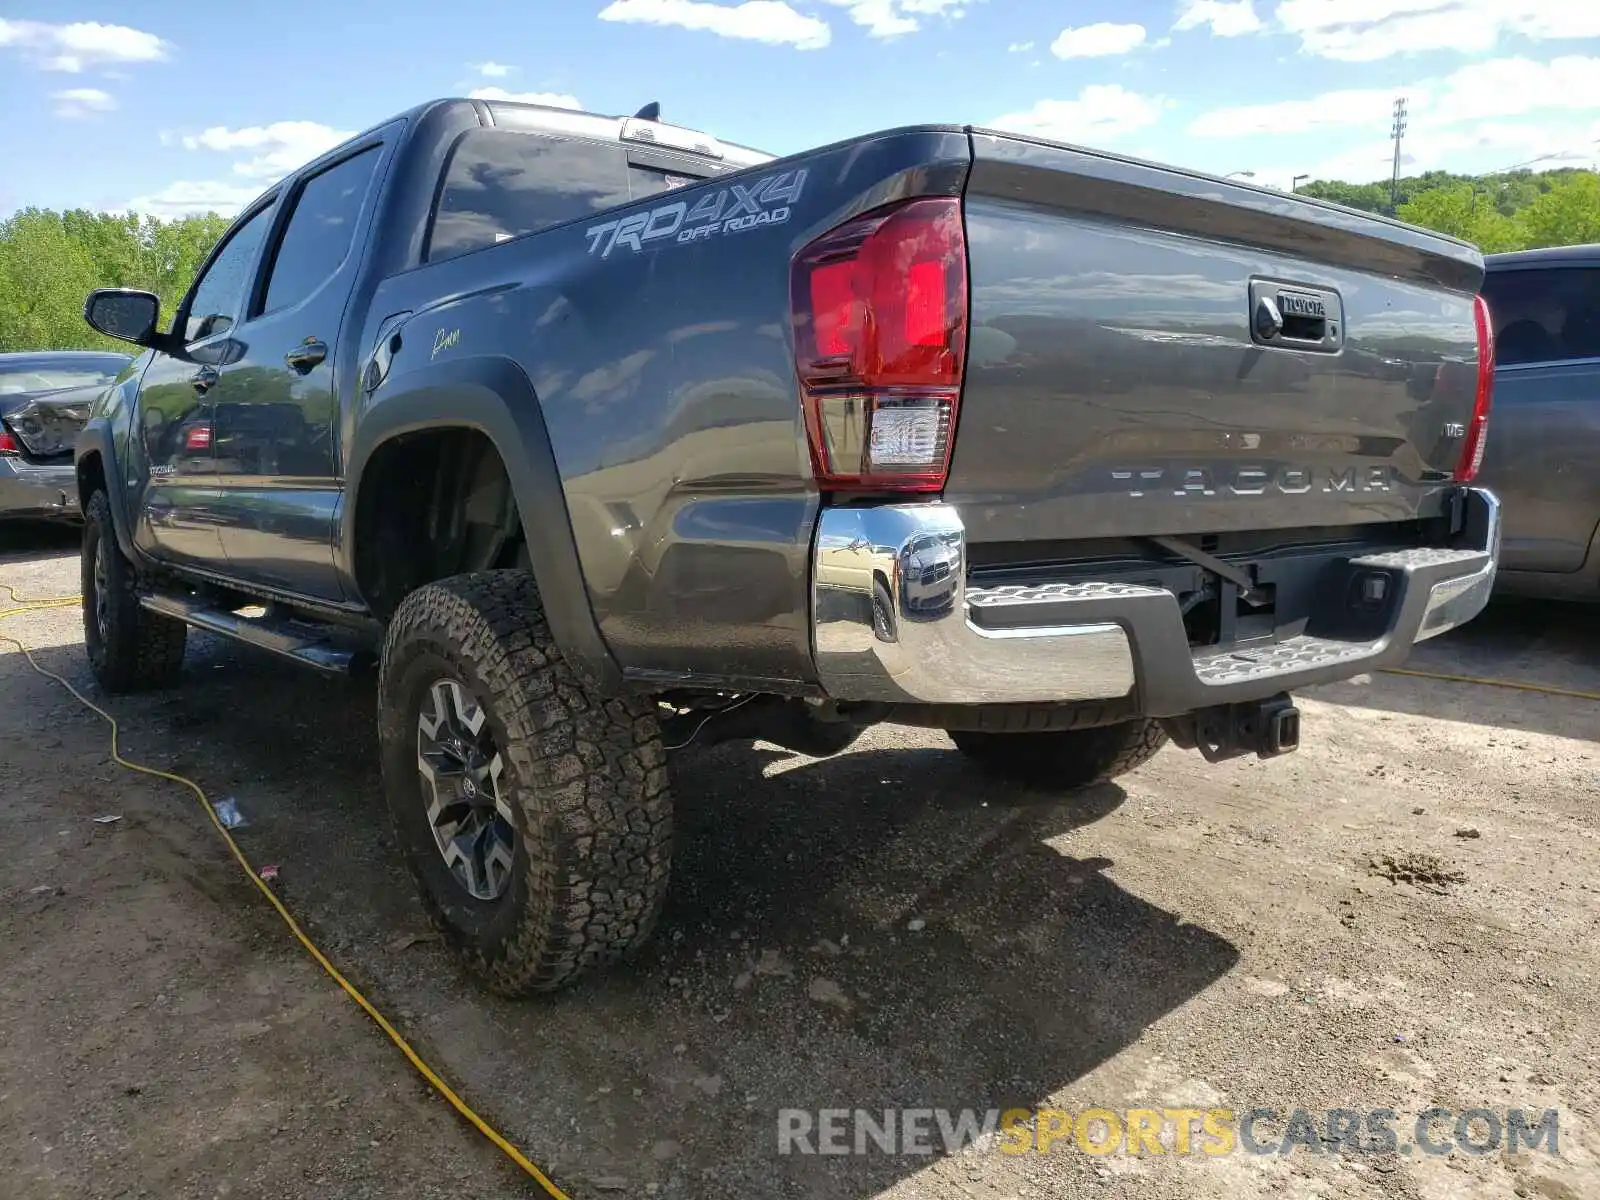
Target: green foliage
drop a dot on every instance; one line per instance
(1564, 216)
(1516, 210)
(1464, 212)
(50, 261)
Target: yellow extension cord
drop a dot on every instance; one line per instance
(415, 1059)
(1502, 683)
(350, 989)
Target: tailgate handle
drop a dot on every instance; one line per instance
(1295, 316)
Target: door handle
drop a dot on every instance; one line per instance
(1295, 316)
(306, 355)
(204, 379)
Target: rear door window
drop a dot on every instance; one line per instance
(501, 185)
(1544, 315)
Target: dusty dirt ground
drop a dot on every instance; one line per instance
(1192, 936)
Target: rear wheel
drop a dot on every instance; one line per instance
(130, 648)
(1066, 758)
(535, 816)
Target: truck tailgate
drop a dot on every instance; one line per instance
(1124, 378)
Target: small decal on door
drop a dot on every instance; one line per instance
(443, 341)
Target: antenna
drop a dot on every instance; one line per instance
(650, 112)
(1397, 133)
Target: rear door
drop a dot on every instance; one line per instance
(1543, 456)
(276, 409)
(177, 502)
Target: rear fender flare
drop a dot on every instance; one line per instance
(493, 396)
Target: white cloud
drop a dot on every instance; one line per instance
(491, 69)
(892, 18)
(1487, 115)
(81, 44)
(272, 150)
(1227, 18)
(1288, 118)
(1101, 113)
(549, 99)
(1019, 47)
(1509, 87)
(186, 198)
(73, 103)
(770, 21)
(1368, 30)
(1488, 90)
(1097, 41)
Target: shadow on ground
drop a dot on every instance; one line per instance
(785, 972)
(27, 540)
(1539, 642)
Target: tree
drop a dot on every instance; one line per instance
(1566, 215)
(1466, 211)
(1369, 197)
(50, 261)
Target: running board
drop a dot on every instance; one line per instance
(287, 639)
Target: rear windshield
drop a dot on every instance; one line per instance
(1544, 315)
(501, 184)
(16, 378)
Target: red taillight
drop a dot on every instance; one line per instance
(880, 332)
(1477, 430)
(198, 438)
(8, 444)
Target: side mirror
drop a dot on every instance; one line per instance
(123, 313)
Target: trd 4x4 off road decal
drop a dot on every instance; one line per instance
(732, 209)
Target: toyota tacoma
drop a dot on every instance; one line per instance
(598, 435)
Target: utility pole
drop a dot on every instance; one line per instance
(1398, 132)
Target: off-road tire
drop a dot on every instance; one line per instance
(136, 650)
(585, 779)
(1068, 758)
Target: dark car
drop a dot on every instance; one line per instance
(45, 398)
(1544, 458)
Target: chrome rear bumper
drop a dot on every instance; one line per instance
(894, 619)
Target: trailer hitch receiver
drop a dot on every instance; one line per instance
(1265, 728)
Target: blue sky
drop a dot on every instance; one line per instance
(184, 106)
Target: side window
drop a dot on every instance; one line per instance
(321, 229)
(221, 289)
(500, 184)
(1544, 315)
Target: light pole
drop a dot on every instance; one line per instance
(1294, 184)
(1397, 132)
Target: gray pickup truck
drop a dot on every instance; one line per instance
(599, 436)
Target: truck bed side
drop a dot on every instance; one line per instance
(665, 374)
